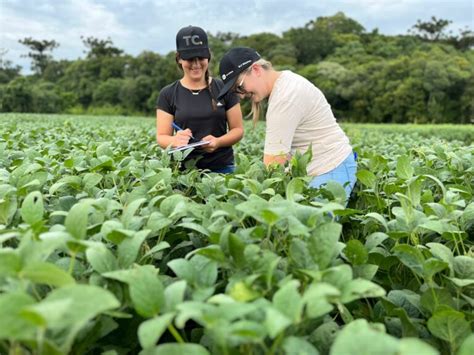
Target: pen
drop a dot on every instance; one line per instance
(178, 128)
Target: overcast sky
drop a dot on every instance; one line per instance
(138, 25)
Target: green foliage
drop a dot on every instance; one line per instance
(40, 59)
(106, 245)
(426, 76)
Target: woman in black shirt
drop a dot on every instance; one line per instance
(191, 103)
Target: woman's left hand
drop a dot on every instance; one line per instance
(213, 144)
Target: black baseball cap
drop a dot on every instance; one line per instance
(233, 63)
(191, 42)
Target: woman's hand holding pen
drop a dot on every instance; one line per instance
(213, 144)
(181, 138)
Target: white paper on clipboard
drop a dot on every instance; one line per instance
(192, 145)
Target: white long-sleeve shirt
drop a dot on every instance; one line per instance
(299, 115)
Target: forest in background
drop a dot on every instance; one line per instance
(424, 76)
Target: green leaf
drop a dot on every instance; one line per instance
(242, 293)
(323, 244)
(468, 215)
(288, 301)
(10, 262)
(294, 188)
(129, 212)
(360, 288)
(409, 346)
(157, 221)
(104, 150)
(355, 252)
(360, 337)
(46, 273)
(298, 346)
(147, 293)
(337, 190)
(195, 227)
(146, 289)
(128, 249)
(408, 327)
(157, 248)
(461, 282)
(212, 252)
(318, 297)
(323, 337)
(253, 206)
(374, 240)
(338, 276)
(414, 191)
(435, 226)
(101, 258)
(366, 177)
(467, 346)
(451, 326)
(432, 266)
(174, 206)
(275, 321)
(246, 331)
(12, 325)
(379, 218)
(406, 299)
(47, 313)
(410, 257)
(183, 269)
(86, 303)
(296, 228)
(76, 219)
(365, 271)
(300, 255)
(205, 271)
(91, 179)
(433, 298)
(150, 331)
(174, 295)
(236, 250)
(443, 253)
(71, 181)
(176, 349)
(404, 168)
(32, 208)
(464, 267)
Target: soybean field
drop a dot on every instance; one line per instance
(107, 247)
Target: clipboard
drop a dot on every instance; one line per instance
(184, 147)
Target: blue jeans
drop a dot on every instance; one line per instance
(344, 174)
(229, 169)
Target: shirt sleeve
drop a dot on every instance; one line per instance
(164, 101)
(231, 99)
(282, 120)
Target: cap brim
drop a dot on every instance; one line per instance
(188, 54)
(226, 88)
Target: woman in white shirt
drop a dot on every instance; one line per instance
(298, 117)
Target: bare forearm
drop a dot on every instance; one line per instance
(231, 137)
(164, 140)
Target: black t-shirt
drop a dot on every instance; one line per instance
(196, 113)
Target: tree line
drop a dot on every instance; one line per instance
(425, 76)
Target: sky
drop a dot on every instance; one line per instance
(151, 25)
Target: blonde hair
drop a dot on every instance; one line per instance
(257, 106)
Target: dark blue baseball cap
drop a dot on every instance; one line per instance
(191, 42)
(234, 62)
